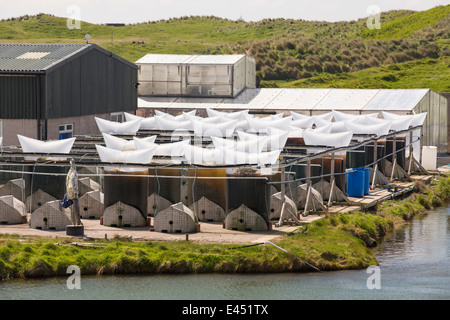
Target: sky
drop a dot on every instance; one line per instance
(134, 11)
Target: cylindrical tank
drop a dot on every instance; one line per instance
(400, 143)
(355, 183)
(429, 157)
(249, 188)
(54, 185)
(212, 189)
(174, 189)
(130, 189)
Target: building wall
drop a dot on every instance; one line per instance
(82, 125)
(91, 84)
(28, 127)
(12, 127)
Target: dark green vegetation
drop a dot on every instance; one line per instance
(337, 242)
(340, 54)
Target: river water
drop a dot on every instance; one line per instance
(414, 264)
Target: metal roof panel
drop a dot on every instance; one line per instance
(396, 99)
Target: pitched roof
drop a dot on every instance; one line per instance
(34, 57)
(40, 58)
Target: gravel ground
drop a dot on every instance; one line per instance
(209, 232)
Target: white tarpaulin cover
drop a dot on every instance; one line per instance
(116, 156)
(112, 127)
(336, 140)
(146, 124)
(30, 145)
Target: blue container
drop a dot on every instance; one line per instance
(355, 183)
(366, 181)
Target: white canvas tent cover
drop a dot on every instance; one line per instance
(112, 127)
(30, 145)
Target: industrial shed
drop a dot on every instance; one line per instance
(51, 91)
(266, 101)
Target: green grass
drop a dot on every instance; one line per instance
(424, 73)
(405, 26)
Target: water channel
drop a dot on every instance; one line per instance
(414, 264)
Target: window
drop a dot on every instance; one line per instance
(65, 131)
(117, 117)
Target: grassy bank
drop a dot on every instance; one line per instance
(340, 241)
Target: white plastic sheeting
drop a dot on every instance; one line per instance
(203, 156)
(238, 115)
(376, 129)
(175, 149)
(336, 140)
(417, 119)
(117, 143)
(30, 145)
(303, 123)
(169, 124)
(260, 125)
(112, 127)
(232, 157)
(340, 116)
(298, 116)
(177, 117)
(116, 156)
(253, 145)
(146, 124)
(206, 129)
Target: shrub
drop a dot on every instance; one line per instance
(331, 67)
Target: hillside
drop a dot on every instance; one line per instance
(288, 52)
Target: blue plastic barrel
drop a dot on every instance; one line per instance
(366, 181)
(355, 183)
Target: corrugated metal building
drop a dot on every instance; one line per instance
(317, 101)
(51, 91)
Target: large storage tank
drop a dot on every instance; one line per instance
(126, 186)
(208, 194)
(248, 200)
